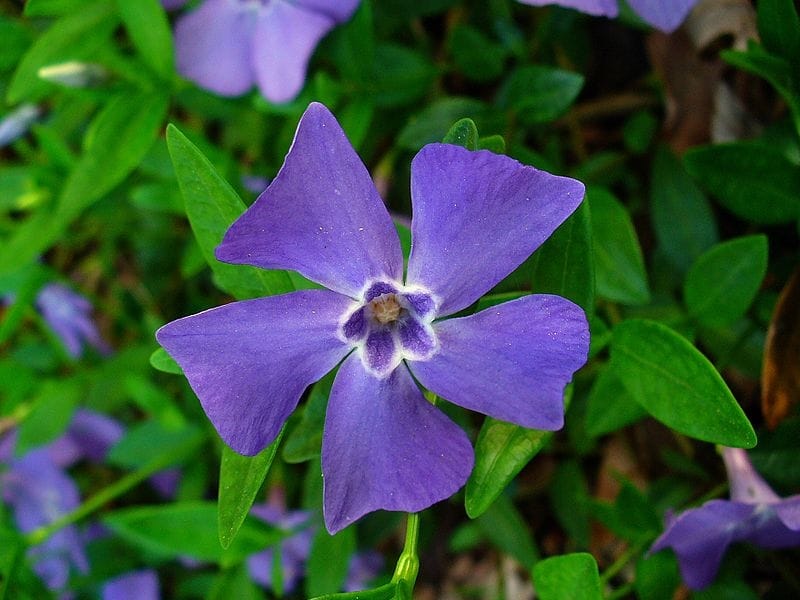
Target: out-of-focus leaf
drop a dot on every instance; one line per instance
(463, 133)
(569, 497)
(564, 264)
(162, 361)
(505, 528)
(52, 8)
(752, 180)
(403, 76)
(305, 440)
(502, 450)
(539, 94)
(240, 478)
(723, 282)
(151, 441)
(610, 406)
(51, 413)
(475, 55)
(779, 27)
(148, 27)
(631, 517)
(327, 564)
(681, 215)
(384, 592)
(780, 375)
(567, 577)
(677, 385)
(187, 529)
(776, 454)
(212, 205)
(73, 37)
(619, 266)
(657, 576)
(433, 122)
(235, 583)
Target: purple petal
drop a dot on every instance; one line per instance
(94, 433)
(364, 567)
(510, 361)
(477, 216)
(700, 537)
(138, 585)
(767, 530)
(746, 484)
(213, 45)
(386, 447)
(321, 215)
(249, 362)
(284, 41)
(607, 8)
(336, 10)
(788, 512)
(666, 15)
(381, 354)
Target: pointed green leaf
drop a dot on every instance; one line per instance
(502, 450)
(162, 361)
(212, 205)
(677, 385)
(779, 27)
(539, 94)
(327, 564)
(493, 143)
(148, 27)
(240, 478)
(723, 282)
(463, 133)
(567, 577)
(384, 592)
(619, 265)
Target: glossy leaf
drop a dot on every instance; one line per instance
(677, 385)
(148, 27)
(162, 361)
(619, 266)
(567, 577)
(723, 282)
(212, 205)
(610, 407)
(539, 94)
(187, 529)
(51, 414)
(754, 181)
(240, 478)
(463, 133)
(501, 451)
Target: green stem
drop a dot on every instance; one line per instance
(408, 564)
(37, 536)
(620, 563)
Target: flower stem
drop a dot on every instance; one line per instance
(620, 563)
(407, 568)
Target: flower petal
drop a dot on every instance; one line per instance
(788, 511)
(212, 46)
(249, 362)
(700, 537)
(337, 10)
(606, 8)
(386, 447)
(510, 361)
(666, 15)
(285, 38)
(321, 215)
(477, 216)
(142, 585)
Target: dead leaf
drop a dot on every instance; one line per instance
(780, 375)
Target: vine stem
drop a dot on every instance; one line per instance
(408, 564)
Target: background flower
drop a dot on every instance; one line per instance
(666, 15)
(70, 316)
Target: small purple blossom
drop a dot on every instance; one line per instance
(666, 15)
(755, 513)
(137, 585)
(70, 316)
(477, 216)
(226, 46)
(16, 123)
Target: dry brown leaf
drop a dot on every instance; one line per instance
(714, 20)
(780, 375)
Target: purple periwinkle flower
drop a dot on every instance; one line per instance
(226, 46)
(755, 513)
(476, 217)
(16, 123)
(666, 15)
(137, 585)
(70, 316)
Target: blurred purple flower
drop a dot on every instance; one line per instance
(477, 216)
(16, 123)
(666, 15)
(39, 490)
(755, 513)
(70, 316)
(226, 46)
(138, 585)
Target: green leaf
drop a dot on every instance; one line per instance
(570, 499)
(404, 75)
(384, 592)
(779, 27)
(305, 440)
(327, 564)
(619, 265)
(212, 205)
(723, 282)
(235, 583)
(564, 264)
(502, 450)
(493, 143)
(433, 122)
(117, 140)
(567, 577)
(677, 385)
(632, 517)
(475, 55)
(12, 549)
(188, 529)
(52, 8)
(73, 37)
(162, 361)
(505, 528)
(240, 478)
(148, 27)
(51, 414)
(657, 576)
(539, 94)
(682, 218)
(610, 406)
(754, 181)
(152, 441)
(463, 133)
